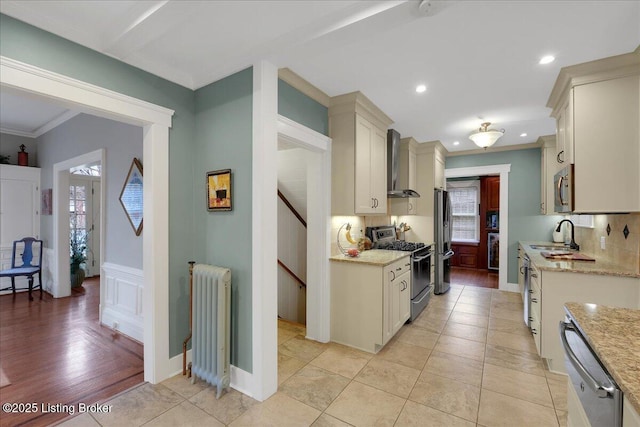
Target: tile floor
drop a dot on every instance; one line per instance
(468, 360)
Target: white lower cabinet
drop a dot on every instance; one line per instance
(630, 417)
(369, 303)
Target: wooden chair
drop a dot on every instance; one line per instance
(29, 267)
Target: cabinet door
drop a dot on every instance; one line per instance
(400, 301)
(19, 210)
(378, 170)
(439, 171)
(364, 202)
(493, 193)
(412, 204)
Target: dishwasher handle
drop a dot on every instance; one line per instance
(599, 389)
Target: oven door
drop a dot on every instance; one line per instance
(420, 270)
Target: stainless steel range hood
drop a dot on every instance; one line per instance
(393, 145)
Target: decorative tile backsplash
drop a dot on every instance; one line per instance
(617, 248)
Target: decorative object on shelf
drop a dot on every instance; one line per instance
(486, 137)
(608, 229)
(23, 156)
(626, 231)
(4, 160)
(131, 196)
(219, 190)
(46, 207)
(77, 253)
(352, 252)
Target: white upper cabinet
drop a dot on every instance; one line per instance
(358, 130)
(597, 109)
(548, 166)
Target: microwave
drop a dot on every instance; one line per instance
(563, 190)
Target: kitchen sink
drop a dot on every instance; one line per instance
(553, 248)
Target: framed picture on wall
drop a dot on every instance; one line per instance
(131, 196)
(219, 190)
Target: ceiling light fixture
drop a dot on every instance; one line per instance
(523, 134)
(547, 59)
(421, 88)
(456, 142)
(486, 137)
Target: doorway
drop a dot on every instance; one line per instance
(85, 213)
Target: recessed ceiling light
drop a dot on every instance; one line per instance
(456, 142)
(547, 59)
(523, 134)
(421, 88)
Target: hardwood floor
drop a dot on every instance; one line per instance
(474, 277)
(54, 351)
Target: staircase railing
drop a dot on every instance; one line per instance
(304, 223)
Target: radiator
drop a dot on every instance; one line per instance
(211, 326)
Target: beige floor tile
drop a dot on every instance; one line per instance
(446, 303)
(460, 347)
(362, 405)
(521, 385)
(503, 313)
(182, 385)
(481, 300)
(437, 313)
(509, 326)
(184, 415)
(409, 355)
(82, 420)
(554, 376)
(278, 411)
(455, 367)
(326, 420)
(501, 410)
(469, 319)
(416, 415)
(287, 366)
(447, 395)
(514, 359)
(562, 418)
(558, 393)
(301, 348)
(506, 296)
(476, 290)
(285, 335)
(292, 326)
(226, 409)
(139, 405)
(432, 325)
(342, 360)
(514, 341)
(507, 305)
(389, 376)
(469, 332)
(478, 310)
(314, 386)
(416, 335)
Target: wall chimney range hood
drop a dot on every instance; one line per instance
(393, 145)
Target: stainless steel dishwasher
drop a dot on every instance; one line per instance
(599, 395)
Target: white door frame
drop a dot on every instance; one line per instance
(61, 286)
(156, 121)
(503, 171)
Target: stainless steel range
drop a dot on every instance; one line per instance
(384, 237)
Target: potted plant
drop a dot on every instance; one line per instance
(77, 252)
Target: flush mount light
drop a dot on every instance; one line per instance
(456, 142)
(486, 137)
(547, 59)
(421, 88)
(523, 134)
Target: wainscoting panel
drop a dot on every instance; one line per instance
(122, 308)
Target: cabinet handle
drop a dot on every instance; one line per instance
(394, 276)
(376, 202)
(407, 264)
(410, 206)
(534, 331)
(558, 159)
(534, 275)
(373, 203)
(534, 300)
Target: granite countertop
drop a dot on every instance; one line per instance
(373, 257)
(614, 335)
(589, 267)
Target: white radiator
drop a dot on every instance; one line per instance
(211, 326)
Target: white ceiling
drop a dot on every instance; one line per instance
(479, 59)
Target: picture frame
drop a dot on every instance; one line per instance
(46, 207)
(131, 196)
(219, 196)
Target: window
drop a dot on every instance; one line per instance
(465, 199)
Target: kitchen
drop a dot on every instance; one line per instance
(510, 258)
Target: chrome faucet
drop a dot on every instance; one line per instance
(573, 244)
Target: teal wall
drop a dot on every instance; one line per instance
(224, 141)
(525, 221)
(300, 108)
(28, 44)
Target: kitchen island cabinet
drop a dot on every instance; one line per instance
(558, 282)
(370, 298)
(597, 109)
(358, 130)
